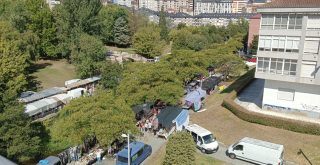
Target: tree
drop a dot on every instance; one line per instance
(180, 150)
(122, 36)
(147, 42)
(19, 138)
(74, 17)
(14, 62)
(254, 45)
(107, 18)
(163, 25)
(40, 21)
(102, 115)
(149, 82)
(111, 75)
(88, 55)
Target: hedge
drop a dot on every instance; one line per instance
(254, 117)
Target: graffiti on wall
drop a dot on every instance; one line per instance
(310, 107)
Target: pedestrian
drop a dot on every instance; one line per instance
(150, 126)
(146, 126)
(98, 156)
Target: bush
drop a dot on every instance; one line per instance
(180, 150)
(254, 117)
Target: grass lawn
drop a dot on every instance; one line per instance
(49, 73)
(229, 129)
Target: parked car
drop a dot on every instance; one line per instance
(51, 160)
(204, 139)
(138, 153)
(257, 151)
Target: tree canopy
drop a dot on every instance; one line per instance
(148, 82)
(102, 115)
(180, 150)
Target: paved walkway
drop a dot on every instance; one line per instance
(251, 99)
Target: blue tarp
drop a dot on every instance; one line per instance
(195, 96)
(182, 117)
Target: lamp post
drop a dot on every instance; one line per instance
(128, 139)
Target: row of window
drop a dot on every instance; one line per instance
(277, 66)
(286, 67)
(291, 21)
(279, 43)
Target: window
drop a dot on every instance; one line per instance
(311, 45)
(281, 22)
(263, 64)
(239, 148)
(265, 43)
(286, 94)
(267, 22)
(295, 21)
(292, 44)
(313, 22)
(308, 69)
(273, 65)
(290, 67)
(278, 43)
(277, 66)
(194, 135)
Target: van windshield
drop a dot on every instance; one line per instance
(208, 139)
(122, 159)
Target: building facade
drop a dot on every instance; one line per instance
(288, 56)
(254, 26)
(239, 6)
(212, 6)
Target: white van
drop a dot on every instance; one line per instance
(204, 139)
(257, 151)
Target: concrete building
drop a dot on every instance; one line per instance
(127, 3)
(212, 6)
(239, 6)
(288, 56)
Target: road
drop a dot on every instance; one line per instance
(156, 143)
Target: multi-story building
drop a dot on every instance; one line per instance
(149, 4)
(239, 6)
(127, 3)
(289, 56)
(212, 6)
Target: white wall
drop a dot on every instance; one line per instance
(306, 97)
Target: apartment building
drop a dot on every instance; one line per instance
(239, 6)
(288, 56)
(127, 3)
(212, 6)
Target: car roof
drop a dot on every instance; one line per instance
(262, 143)
(134, 147)
(198, 130)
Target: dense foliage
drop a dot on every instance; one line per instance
(180, 150)
(103, 115)
(148, 82)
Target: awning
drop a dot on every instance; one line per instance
(195, 96)
(182, 117)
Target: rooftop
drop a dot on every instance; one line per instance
(198, 130)
(262, 143)
(134, 147)
(293, 4)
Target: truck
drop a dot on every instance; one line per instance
(257, 151)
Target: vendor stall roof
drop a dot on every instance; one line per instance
(82, 82)
(43, 94)
(168, 115)
(210, 83)
(145, 107)
(5, 161)
(41, 105)
(51, 160)
(196, 95)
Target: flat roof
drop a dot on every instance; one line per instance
(134, 147)
(198, 130)
(292, 4)
(43, 94)
(262, 143)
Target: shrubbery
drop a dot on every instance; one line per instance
(253, 117)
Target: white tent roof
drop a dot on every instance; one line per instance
(41, 105)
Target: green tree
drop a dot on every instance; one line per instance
(107, 18)
(19, 138)
(88, 55)
(74, 17)
(180, 150)
(150, 81)
(111, 75)
(14, 62)
(122, 36)
(102, 115)
(164, 31)
(147, 42)
(254, 45)
(40, 21)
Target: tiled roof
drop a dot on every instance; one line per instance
(293, 4)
